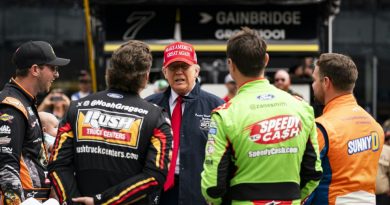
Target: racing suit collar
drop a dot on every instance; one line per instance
(256, 79)
(251, 82)
(339, 100)
(29, 96)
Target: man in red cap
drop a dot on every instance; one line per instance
(190, 109)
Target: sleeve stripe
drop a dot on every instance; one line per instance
(163, 139)
(157, 145)
(25, 177)
(58, 185)
(63, 138)
(132, 190)
(64, 133)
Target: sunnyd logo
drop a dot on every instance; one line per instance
(369, 142)
(274, 130)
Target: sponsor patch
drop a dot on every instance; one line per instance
(273, 202)
(213, 131)
(5, 129)
(35, 123)
(12, 198)
(109, 127)
(30, 111)
(274, 130)
(5, 140)
(369, 142)
(267, 96)
(6, 117)
(204, 122)
(7, 150)
(115, 95)
(210, 145)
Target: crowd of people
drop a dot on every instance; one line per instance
(261, 144)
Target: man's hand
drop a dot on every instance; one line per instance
(85, 200)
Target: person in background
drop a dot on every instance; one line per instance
(383, 177)
(296, 71)
(283, 82)
(350, 139)
(23, 159)
(231, 86)
(262, 145)
(308, 66)
(160, 86)
(190, 109)
(56, 102)
(49, 128)
(84, 86)
(113, 147)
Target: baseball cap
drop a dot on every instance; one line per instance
(179, 51)
(36, 52)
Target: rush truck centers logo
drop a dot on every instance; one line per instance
(109, 127)
(274, 130)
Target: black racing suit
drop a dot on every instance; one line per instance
(23, 158)
(112, 146)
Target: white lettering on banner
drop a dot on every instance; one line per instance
(258, 18)
(97, 119)
(267, 34)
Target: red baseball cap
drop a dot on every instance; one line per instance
(179, 51)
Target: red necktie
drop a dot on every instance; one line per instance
(176, 123)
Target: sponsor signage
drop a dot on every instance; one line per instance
(274, 130)
(109, 127)
(126, 22)
(272, 22)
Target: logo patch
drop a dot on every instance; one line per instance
(5, 140)
(273, 202)
(30, 111)
(7, 150)
(274, 130)
(109, 127)
(6, 117)
(5, 129)
(115, 95)
(267, 96)
(204, 122)
(213, 131)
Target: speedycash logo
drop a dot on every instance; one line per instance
(274, 130)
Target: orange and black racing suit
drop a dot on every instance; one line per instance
(23, 158)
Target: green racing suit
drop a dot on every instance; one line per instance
(262, 149)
